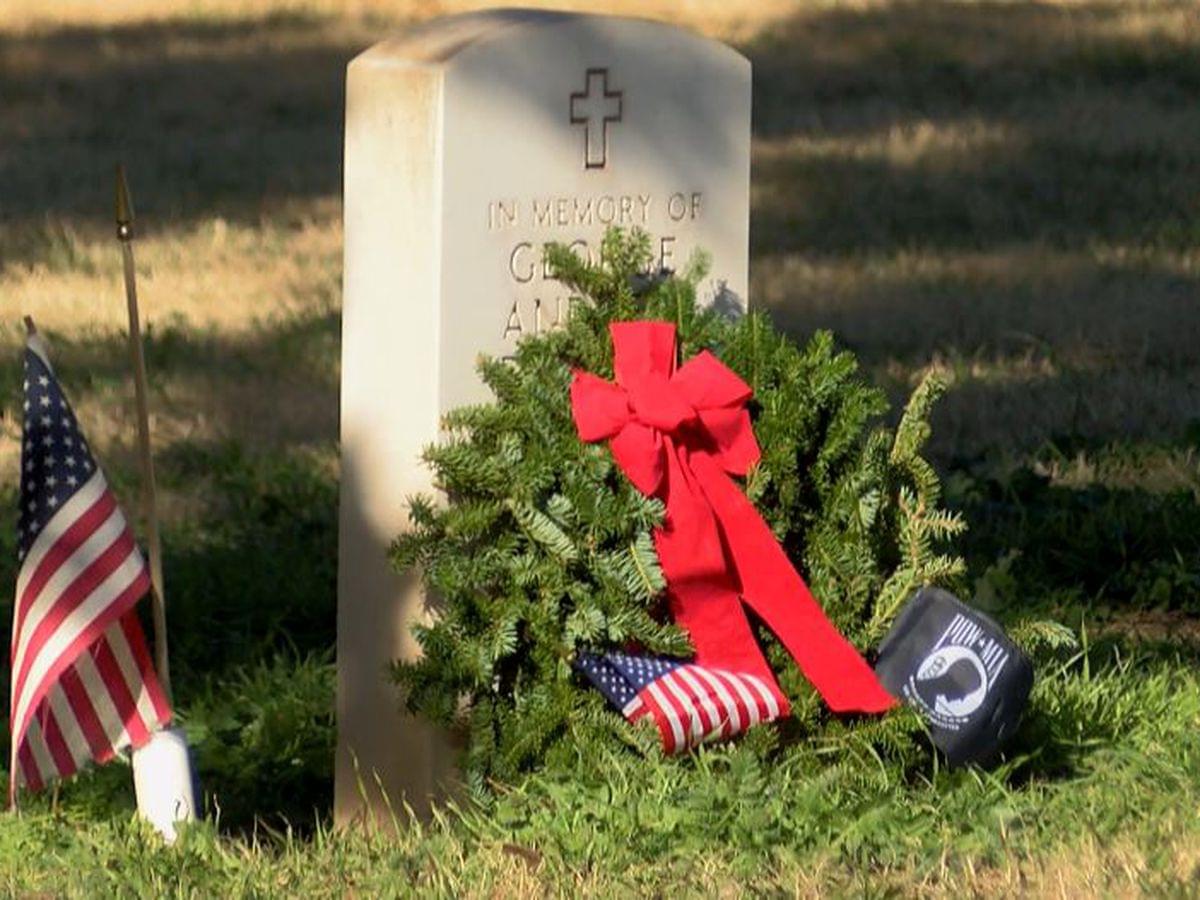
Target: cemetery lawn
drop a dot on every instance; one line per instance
(1009, 190)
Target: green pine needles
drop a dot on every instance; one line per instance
(541, 547)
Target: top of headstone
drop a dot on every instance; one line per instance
(433, 43)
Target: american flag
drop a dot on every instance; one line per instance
(83, 684)
(690, 704)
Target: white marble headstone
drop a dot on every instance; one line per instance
(470, 143)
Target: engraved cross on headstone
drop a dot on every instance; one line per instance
(593, 108)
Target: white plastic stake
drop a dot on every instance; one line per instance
(162, 781)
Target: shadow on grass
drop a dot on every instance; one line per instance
(222, 119)
(274, 387)
(1064, 124)
(1102, 549)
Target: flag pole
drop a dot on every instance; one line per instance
(124, 217)
(13, 794)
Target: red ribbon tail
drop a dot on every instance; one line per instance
(714, 619)
(703, 596)
(778, 595)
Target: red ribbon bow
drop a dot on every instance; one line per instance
(679, 435)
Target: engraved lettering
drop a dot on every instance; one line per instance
(606, 214)
(513, 326)
(666, 252)
(559, 318)
(556, 216)
(644, 200)
(580, 244)
(521, 269)
(502, 214)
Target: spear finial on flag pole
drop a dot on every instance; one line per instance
(124, 218)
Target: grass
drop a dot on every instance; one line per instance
(1004, 189)
(1104, 803)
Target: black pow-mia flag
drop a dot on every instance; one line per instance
(960, 670)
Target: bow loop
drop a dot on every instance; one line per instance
(707, 383)
(719, 397)
(641, 349)
(601, 409)
(638, 450)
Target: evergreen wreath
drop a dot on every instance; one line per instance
(541, 547)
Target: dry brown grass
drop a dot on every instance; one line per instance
(1086, 870)
(710, 16)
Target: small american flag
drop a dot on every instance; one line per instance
(690, 704)
(83, 684)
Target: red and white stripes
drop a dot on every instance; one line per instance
(83, 684)
(692, 704)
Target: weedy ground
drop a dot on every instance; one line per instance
(1010, 190)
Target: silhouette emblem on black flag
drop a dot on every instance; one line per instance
(957, 688)
(960, 670)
